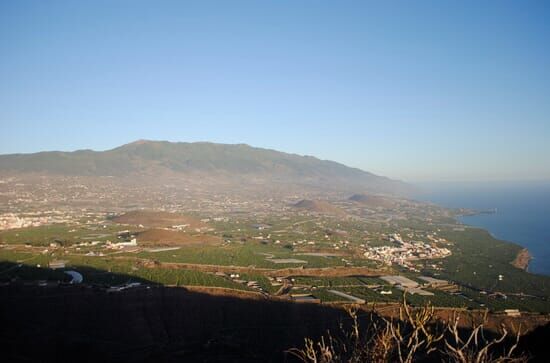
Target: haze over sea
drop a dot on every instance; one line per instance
(522, 212)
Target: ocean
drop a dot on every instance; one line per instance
(522, 212)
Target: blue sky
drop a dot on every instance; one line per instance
(413, 90)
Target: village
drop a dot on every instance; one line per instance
(404, 252)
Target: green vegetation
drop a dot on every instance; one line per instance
(262, 280)
(337, 281)
(479, 264)
(478, 259)
(247, 254)
(61, 234)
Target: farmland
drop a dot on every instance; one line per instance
(284, 251)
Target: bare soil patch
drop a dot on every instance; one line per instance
(158, 219)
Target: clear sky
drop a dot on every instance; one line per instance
(443, 90)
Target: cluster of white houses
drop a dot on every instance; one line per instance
(13, 221)
(406, 251)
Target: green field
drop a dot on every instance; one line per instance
(476, 262)
(247, 254)
(61, 234)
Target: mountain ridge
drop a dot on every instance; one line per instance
(148, 157)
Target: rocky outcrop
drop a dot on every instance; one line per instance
(522, 259)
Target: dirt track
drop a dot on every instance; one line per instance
(321, 272)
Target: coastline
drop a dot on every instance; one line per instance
(523, 257)
(522, 260)
(467, 212)
(521, 218)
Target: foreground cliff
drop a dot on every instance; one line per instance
(156, 324)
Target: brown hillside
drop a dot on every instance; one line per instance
(319, 206)
(163, 237)
(158, 219)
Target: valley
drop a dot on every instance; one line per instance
(329, 248)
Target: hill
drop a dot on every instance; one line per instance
(220, 163)
(319, 206)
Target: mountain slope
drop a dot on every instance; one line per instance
(373, 200)
(319, 206)
(220, 160)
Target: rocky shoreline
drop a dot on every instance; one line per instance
(522, 259)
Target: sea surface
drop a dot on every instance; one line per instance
(522, 212)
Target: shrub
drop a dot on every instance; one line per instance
(416, 336)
